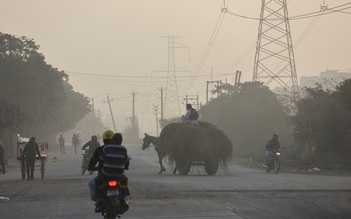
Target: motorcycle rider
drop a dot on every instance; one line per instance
(92, 144)
(115, 167)
(271, 146)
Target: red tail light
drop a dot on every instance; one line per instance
(112, 183)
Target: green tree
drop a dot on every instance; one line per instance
(40, 92)
(326, 116)
(249, 117)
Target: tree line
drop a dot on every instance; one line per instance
(317, 126)
(36, 99)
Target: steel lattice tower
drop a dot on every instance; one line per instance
(274, 59)
(171, 102)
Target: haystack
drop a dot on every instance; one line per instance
(197, 142)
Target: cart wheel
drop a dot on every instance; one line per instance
(42, 169)
(211, 166)
(183, 167)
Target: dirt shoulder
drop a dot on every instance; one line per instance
(298, 166)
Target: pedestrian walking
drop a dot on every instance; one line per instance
(31, 149)
(75, 143)
(62, 144)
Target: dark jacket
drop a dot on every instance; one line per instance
(194, 114)
(61, 140)
(31, 150)
(75, 140)
(92, 146)
(272, 145)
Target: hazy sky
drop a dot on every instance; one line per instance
(116, 47)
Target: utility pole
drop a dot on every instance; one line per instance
(237, 81)
(155, 108)
(274, 58)
(162, 89)
(109, 104)
(237, 78)
(207, 90)
(133, 110)
(93, 115)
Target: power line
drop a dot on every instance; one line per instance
(118, 77)
(303, 16)
(209, 46)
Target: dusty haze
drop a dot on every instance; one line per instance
(116, 47)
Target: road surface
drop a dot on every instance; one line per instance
(233, 193)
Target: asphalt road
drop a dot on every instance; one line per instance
(234, 193)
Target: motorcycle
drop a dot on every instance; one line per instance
(113, 203)
(274, 162)
(85, 162)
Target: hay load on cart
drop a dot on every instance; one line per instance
(203, 144)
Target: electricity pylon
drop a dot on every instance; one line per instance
(171, 101)
(274, 59)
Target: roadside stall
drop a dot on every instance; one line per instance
(40, 161)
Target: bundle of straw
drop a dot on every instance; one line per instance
(198, 142)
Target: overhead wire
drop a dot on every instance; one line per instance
(307, 31)
(208, 48)
(344, 12)
(118, 77)
(316, 16)
(130, 78)
(302, 37)
(303, 16)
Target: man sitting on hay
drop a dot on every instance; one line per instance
(191, 116)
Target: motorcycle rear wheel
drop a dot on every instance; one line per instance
(111, 214)
(276, 165)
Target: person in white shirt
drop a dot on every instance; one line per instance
(191, 116)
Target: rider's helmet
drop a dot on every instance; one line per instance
(107, 136)
(94, 138)
(275, 136)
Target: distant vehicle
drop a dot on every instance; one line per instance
(274, 162)
(85, 162)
